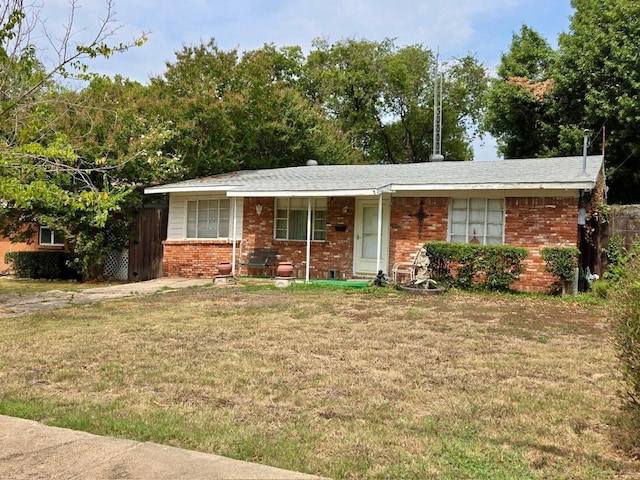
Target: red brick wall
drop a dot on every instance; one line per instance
(194, 258)
(405, 237)
(335, 253)
(532, 223)
(535, 223)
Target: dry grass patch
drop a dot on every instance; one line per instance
(343, 384)
(21, 286)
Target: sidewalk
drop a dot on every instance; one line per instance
(31, 450)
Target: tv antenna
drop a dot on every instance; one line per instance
(437, 156)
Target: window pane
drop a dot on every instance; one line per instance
(459, 229)
(485, 220)
(298, 225)
(495, 205)
(494, 230)
(208, 218)
(192, 219)
(319, 225)
(58, 238)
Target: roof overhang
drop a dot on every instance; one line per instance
(187, 188)
(586, 185)
(234, 191)
(307, 193)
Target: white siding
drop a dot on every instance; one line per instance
(176, 228)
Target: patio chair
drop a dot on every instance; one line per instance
(419, 267)
(404, 268)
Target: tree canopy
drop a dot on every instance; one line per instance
(381, 96)
(543, 99)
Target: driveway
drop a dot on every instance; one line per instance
(15, 305)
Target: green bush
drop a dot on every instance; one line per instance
(468, 266)
(41, 265)
(561, 262)
(625, 302)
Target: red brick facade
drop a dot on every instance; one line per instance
(535, 223)
(532, 223)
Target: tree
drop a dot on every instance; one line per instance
(42, 178)
(244, 111)
(598, 85)
(543, 100)
(382, 98)
(519, 99)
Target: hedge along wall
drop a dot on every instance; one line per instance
(468, 266)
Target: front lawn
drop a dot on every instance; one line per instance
(339, 383)
(24, 286)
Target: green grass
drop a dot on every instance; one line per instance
(344, 383)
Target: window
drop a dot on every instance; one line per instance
(477, 220)
(291, 218)
(208, 218)
(51, 238)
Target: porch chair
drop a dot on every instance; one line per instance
(404, 268)
(419, 264)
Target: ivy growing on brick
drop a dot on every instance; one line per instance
(476, 267)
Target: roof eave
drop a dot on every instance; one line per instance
(304, 193)
(187, 188)
(587, 185)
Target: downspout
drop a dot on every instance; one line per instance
(379, 246)
(306, 277)
(234, 236)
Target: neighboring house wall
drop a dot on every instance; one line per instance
(7, 246)
(533, 223)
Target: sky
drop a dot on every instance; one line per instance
(483, 28)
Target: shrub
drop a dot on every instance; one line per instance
(625, 301)
(561, 262)
(41, 265)
(468, 266)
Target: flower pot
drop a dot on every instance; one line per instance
(224, 268)
(285, 269)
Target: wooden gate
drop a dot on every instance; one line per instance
(624, 221)
(149, 230)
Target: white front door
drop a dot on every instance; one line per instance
(366, 238)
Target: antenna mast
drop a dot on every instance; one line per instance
(436, 156)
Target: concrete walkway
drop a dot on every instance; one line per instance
(16, 305)
(30, 450)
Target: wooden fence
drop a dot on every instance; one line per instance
(623, 222)
(145, 249)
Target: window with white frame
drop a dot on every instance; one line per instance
(51, 238)
(291, 218)
(477, 220)
(208, 218)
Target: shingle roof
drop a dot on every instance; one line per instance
(539, 173)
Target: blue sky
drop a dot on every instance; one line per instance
(457, 27)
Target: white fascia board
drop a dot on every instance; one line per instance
(495, 186)
(302, 193)
(186, 189)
